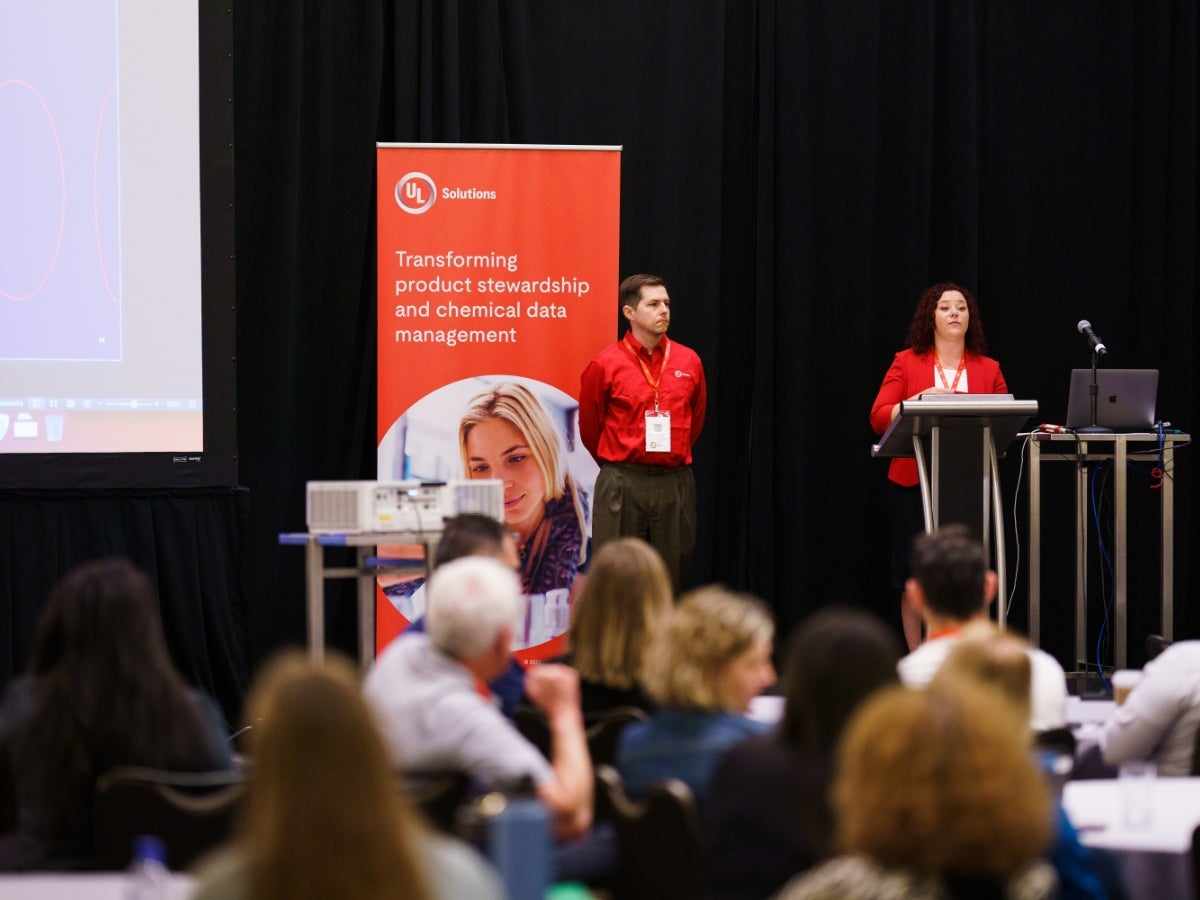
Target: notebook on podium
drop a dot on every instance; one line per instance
(1125, 399)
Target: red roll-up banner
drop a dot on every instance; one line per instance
(497, 284)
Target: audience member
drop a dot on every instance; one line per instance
(936, 796)
(952, 587)
(423, 688)
(472, 534)
(100, 692)
(323, 816)
(1159, 718)
(625, 602)
(768, 808)
(713, 658)
(991, 657)
(995, 659)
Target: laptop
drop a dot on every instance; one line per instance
(1124, 399)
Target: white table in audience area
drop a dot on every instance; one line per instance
(82, 886)
(1156, 859)
(766, 708)
(1088, 712)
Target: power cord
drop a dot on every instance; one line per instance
(1108, 567)
(1017, 528)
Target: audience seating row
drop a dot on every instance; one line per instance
(192, 812)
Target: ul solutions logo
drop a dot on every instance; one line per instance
(415, 193)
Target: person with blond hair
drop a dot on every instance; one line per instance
(323, 816)
(998, 660)
(991, 657)
(623, 606)
(768, 811)
(936, 797)
(505, 433)
(712, 659)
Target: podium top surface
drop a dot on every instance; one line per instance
(1000, 412)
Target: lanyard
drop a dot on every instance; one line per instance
(962, 366)
(650, 379)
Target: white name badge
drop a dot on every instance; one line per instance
(658, 432)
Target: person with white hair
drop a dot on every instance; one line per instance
(425, 689)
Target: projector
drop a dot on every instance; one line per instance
(356, 506)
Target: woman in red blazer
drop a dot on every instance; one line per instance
(945, 355)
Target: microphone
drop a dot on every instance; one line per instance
(1085, 328)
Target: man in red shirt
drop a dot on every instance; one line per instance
(641, 408)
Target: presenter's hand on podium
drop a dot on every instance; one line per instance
(932, 389)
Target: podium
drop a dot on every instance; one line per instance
(955, 439)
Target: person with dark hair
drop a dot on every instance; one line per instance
(472, 534)
(641, 408)
(467, 534)
(945, 354)
(936, 796)
(323, 816)
(100, 692)
(951, 587)
(768, 815)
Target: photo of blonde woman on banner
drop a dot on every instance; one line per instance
(525, 434)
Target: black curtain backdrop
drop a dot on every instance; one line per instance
(799, 172)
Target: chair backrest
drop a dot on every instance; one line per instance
(438, 796)
(659, 837)
(1060, 740)
(603, 728)
(1196, 861)
(1155, 644)
(191, 812)
(531, 722)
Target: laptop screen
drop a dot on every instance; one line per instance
(1124, 399)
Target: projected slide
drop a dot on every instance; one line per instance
(60, 255)
(99, 227)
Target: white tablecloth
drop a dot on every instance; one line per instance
(1157, 858)
(1086, 712)
(766, 708)
(81, 886)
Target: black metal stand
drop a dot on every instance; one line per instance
(1093, 428)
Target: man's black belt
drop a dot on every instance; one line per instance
(644, 468)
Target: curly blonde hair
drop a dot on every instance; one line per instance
(708, 630)
(992, 658)
(941, 782)
(625, 602)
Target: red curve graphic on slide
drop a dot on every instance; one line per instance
(96, 193)
(62, 174)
